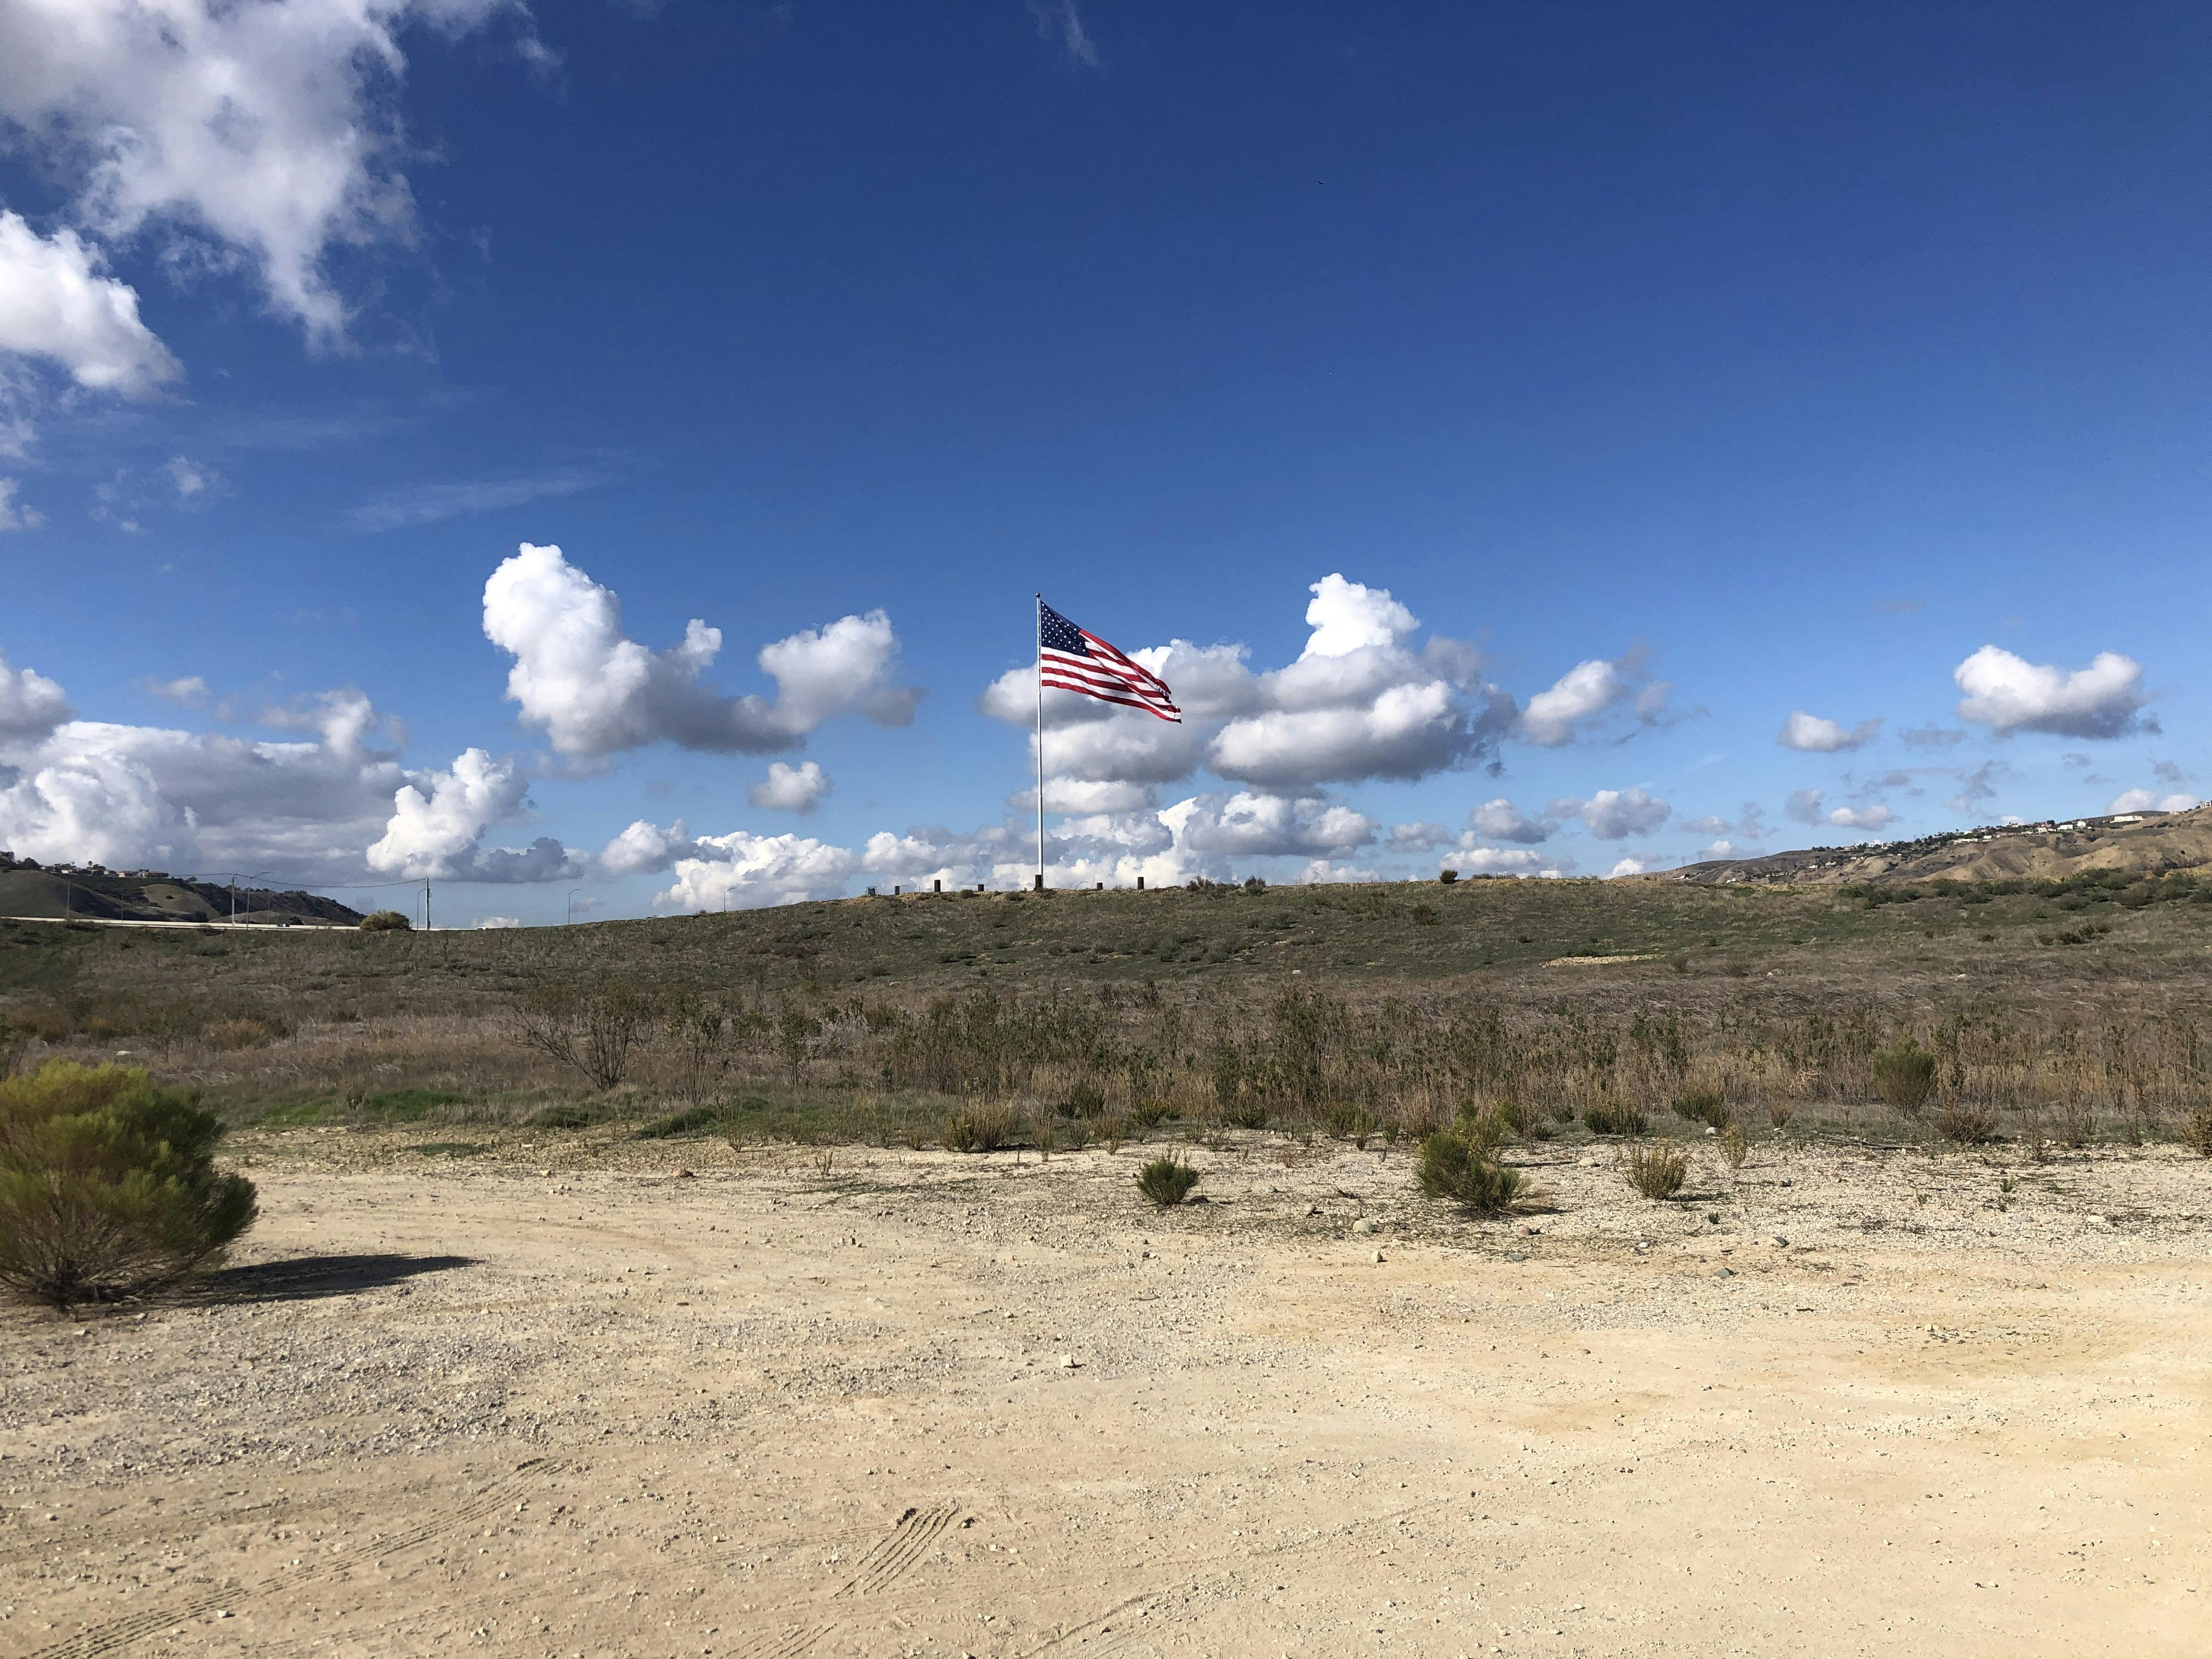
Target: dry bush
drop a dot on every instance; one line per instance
(1166, 1180)
(1612, 1117)
(1736, 1147)
(1905, 1076)
(1656, 1168)
(1779, 1112)
(1704, 1106)
(385, 921)
(1967, 1125)
(1147, 1114)
(227, 1035)
(2077, 1125)
(592, 1030)
(108, 1187)
(1084, 1099)
(2196, 1132)
(980, 1129)
(1247, 1113)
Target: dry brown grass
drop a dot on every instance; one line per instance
(2112, 1036)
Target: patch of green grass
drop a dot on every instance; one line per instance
(693, 1120)
(291, 1114)
(405, 1105)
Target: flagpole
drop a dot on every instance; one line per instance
(1040, 738)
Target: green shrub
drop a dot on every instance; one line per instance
(1519, 1119)
(1166, 1180)
(1704, 1106)
(1085, 1099)
(385, 921)
(1347, 1122)
(1656, 1168)
(1614, 1118)
(1905, 1076)
(1245, 1114)
(566, 1115)
(1148, 1115)
(1462, 1169)
(108, 1187)
(978, 1130)
(694, 1121)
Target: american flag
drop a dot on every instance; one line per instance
(1073, 660)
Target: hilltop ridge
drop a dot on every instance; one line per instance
(2135, 843)
(30, 889)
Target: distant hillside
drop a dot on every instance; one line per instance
(2132, 843)
(29, 889)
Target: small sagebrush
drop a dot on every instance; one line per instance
(1704, 1106)
(1966, 1124)
(1085, 1100)
(1656, 1168)
(1905, 1076)
(1246, 1114)
(1462, 1166)
(1167, 1182)
(1614, 1118)
(983, 1129)
(108, 1187)
(2197, 1132)
(1735, 1146)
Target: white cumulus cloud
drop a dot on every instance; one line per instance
(2147, 800)
(2007, 694)
(1586, 693)
(59, 304)
(31, 705)
(1875, 817)
(745, 871)
(260, 130)
(595, 691)
(440, 818)
(1616, 814)
(1813, 735)
(1501, 820)
(790, 788)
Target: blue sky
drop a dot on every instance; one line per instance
(1691, 367)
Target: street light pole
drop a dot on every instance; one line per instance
(572, 891)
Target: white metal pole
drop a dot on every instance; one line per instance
(1040, 737)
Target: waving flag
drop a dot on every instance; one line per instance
(1073, 660)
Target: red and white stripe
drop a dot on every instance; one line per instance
(1109, 675)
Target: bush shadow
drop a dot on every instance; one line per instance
(311, 1277)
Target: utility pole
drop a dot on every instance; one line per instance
(426, 907)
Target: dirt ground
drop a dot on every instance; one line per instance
(558, 1399)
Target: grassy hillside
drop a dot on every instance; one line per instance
(1388, 1005)
(26, 890)
(2130, 844)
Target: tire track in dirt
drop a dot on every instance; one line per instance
(116, 1634)
(909, 1539)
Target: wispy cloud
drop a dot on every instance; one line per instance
(1058, 20)
(412, 505)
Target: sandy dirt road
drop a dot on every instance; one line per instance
(566, 1403)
